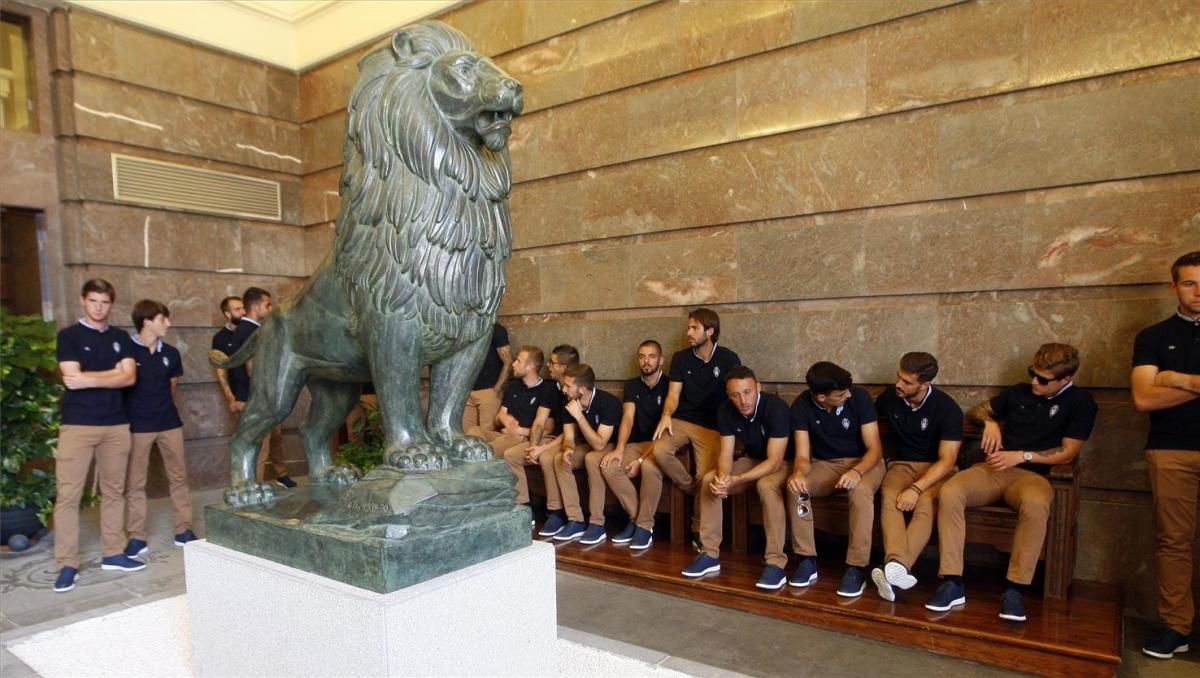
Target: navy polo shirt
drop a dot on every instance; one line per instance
(703, 384)
(647, 406)
(1033, 423)
(95, 351)
(148, 402)
(522, 402)
(604, 410)
(489, 372)
(836, 434)
(239, 377)
(770, 419)
(920, 432)
(1173, 344)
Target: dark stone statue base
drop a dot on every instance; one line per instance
(388, 531)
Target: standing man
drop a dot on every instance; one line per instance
(1046, 422)
(634, 454)
(689, 415)
(551, 414)
(257, 302)
(153, 419)
(591, 417)
(929, 430)
(96, 362)
(483, 403)
(1166, 383)
(837, 448)
(759, 423)
(233, 310)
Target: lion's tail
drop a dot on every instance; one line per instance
(220, 360)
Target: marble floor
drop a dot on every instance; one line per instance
(684, 635)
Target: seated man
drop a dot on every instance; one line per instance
(929, 429)
(521, 399)
(543, 444)
(837, 448)
(634, 455)
(591, 417)
(1046, 422)
(483, 403)
(759, 423)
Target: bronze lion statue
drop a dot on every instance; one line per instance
(416, 271)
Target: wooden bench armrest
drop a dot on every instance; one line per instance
(1064, 472)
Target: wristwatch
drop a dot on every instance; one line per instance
(1027, 456)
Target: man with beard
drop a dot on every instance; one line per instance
(929, 430)
(483, 403)
(634, 453)
(591, 417)
(223, 341)
(690, 413)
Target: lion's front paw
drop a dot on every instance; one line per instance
(419, 457)
(472, 449)
(250, 494)
(341, 475)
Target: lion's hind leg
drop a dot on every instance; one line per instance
(332, 402)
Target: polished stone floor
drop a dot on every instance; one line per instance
(680, 634)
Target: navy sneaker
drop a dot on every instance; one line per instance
(572, 530)
(136, 547)
(642, 539)
(1162, 646)
(1012, 606)
(180, 539)
(853, 583)
(898, 575)
(68, 575)
(773, 578)
(806, 573)
(593, 535)
(626, 535)
(882, 585)
(702, 565)
(948, 594)
(553, 525)
(285, 481)
(121, 562)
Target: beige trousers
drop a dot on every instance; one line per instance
(1175, 481)
(76, 447)
(705, 442)
(481, 410)
(903, 541)
(821, 478)
(770, 493)
(564, 472)
(640, 510)
(170, 446)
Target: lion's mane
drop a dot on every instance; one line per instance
(424, 228)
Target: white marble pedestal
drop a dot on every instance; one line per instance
(254, 617)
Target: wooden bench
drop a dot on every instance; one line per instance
(993, 524)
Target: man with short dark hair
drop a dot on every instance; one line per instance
(154, 420)
(551, 415)
(690, 413)
(928, 425)
(759, 424)
(257, 302)
(1166, 383)
(591, 417)
(233, 310)
(642, 404)
(1046, 422)
(483, 403)
(837, 448)
(96, 362)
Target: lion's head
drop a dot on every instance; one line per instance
(424, 221)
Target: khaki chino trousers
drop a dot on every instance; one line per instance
(1175, 482)
(821, 478)
(639, 502)
(903, 540)
(170, 446)
(76, 447)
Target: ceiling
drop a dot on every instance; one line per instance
(294, 34)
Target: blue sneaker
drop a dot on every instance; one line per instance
(136, 547)
(626, 535)
(121, 562)
(805, 574)
(1162, 646)
(948, 594)
(702, 565)
(1012, 606)
(853, 583)
(553, 525)
(66, 579)
(285, 481)
(773, 578)
(642, 539)
(594, 535)
(180, 539)
(572, 530)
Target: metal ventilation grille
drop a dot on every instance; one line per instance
(166, 184)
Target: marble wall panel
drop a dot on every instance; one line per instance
(319, 200)
(696, 269)
(630, 49)
(193, 344)
(547, 18)
(710, 33)
(323, 139)
(571, 281)
(802, 259)
(737, 182)
(817, 18)
(318, 240)
(134, 115)
(588, 133)
(273, 249)
(133, 236)
(549, 71)
(695, 111)
(325, 89)
(523, 286)
(1115, 458)
(283, 95)
(205, 413)
(551, 210)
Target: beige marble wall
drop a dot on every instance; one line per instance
(850, 181)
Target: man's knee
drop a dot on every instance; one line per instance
(770, 486)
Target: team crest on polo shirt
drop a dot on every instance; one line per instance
(166, 363)
(117, 346)
(924, 423)
(716, 370)
(846, 423)
(533, 400)
(1053, 410)
(660, 400)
